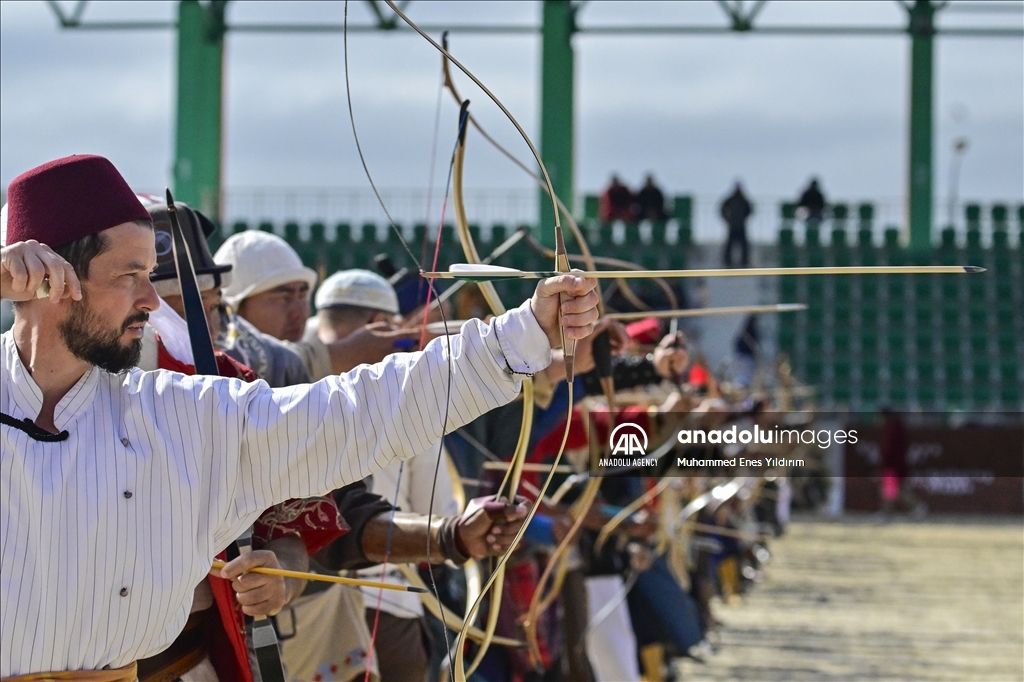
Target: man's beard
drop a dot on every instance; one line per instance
(88, 339)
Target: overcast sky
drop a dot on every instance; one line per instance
(698, 112)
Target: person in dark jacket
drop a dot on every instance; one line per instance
(813, 201)
(734, 211)
(650, 202)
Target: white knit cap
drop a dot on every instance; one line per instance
(260, 261)
(360, 288)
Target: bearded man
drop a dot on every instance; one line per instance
(118, 486)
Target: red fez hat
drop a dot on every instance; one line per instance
(68, 199)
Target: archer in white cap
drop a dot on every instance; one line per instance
(270, 286)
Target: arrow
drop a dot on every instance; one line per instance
(704, 312)
(217, 564)
(494, 273)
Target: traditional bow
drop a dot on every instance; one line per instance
(263, 640)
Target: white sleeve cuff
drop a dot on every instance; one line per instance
(521, 341)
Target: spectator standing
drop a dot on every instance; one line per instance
(813, 202)
(617, 202)
(735, 210)
(651, 202)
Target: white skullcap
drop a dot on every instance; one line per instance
(260, 261)
(360, 288)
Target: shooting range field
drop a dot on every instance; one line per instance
(854, 600)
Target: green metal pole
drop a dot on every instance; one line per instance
(556, 109)
(922, 93)
(198, 146)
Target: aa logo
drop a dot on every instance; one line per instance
(629, 440)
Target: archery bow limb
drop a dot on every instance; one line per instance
(263, 638)
(602, 354)
(512, 475)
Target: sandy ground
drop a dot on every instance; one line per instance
(941, 599)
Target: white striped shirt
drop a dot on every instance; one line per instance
(104, 536)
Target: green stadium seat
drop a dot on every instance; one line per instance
(1002, 262)
(343, 233)
(291, 233)
(869, 393)
(896, 340)
(978, 316)
(898, 395)
(869, 371)
(814, 341)
(981, 371)
(591, 207)
(1008, 370)
(868, 342)
(924, 285)
(607, 236)
(815, 370)
(896, 287)
(1010, 395)
(499, 233)
(682, 210)
(789, 258)
(867, 255)
(981, 394)
(868, 285)
(1004, 289)
(317, 233)
(891, 239)
(923, 342)
(788, 287)
(1007, 342)
(950, 287)
(924, 313)
(950, 316)
(239, 226)
(816, 259)
(976, 288)
(951, 342)
(843, 316)
(677, 258)
(1000, 217)
(955, 393)
(972, 216)
(841, 342)
(838, 238)
(979, 341)
(787, 339)
(869, 316)
(266, 226)
(842, 370)
(816, 315)
(842, 288)
(948, 239)
(897, 369)
(973, 240)
(926, 394)
(925, 371)
(1000, 240)
(812, 238)
(896, 315)
(842, 392)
